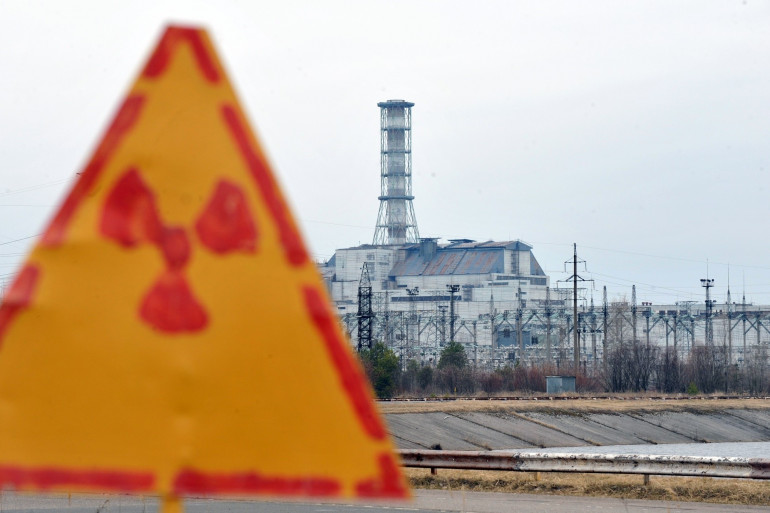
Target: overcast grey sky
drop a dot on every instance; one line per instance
(638, 130)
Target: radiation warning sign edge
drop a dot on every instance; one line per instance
(18, 297)
(189, 481)
(290, 239)
(353, 380)
(52, 478)
(128, 113)
(165, 49)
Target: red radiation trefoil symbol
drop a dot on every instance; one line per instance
(130, 217)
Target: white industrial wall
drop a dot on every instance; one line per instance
(349, 262)
(524, 262)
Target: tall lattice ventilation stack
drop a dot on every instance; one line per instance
(396, 222)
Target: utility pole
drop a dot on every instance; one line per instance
(593, 333)
(519, 334)
(548, 314)
(729, 322)
(605, 315)
(442, 315)
(647, 312)
(743, 320)
(692, 330)
(365, 314)
(707, 284)
(412, 319)
(387, 336)
(675, 327)
(729, 351)
(563, 345)
(576, 345)
(574, 279)
(492, 328)
(452, 289)
(633, 313)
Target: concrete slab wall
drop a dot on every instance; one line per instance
(480, 431)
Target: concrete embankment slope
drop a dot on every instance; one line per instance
(479, 425)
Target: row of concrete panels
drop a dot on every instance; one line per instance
(479, 431)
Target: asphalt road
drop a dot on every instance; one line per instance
(425, 500)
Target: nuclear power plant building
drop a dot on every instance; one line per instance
(491, 277)
(420, 293)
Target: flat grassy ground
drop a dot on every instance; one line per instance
(722, 491)
(574, 405)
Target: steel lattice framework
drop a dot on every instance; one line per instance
(365, 314)
(396, 222)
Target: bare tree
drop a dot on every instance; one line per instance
(668, 372)
(630, 367)
(706, 368)
(755, 371)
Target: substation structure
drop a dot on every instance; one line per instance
(540, 332)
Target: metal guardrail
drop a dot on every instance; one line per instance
(698, 466)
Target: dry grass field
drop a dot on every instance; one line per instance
(574, 405)
(723, 491)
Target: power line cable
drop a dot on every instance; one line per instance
(665, 257)
(21, 239)
(36, 187)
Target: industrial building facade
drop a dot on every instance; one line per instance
(412, 286)
(425, 293)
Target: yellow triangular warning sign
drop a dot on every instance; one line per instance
(169, 332)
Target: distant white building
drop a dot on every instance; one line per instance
(412, 305)
(410, 286)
